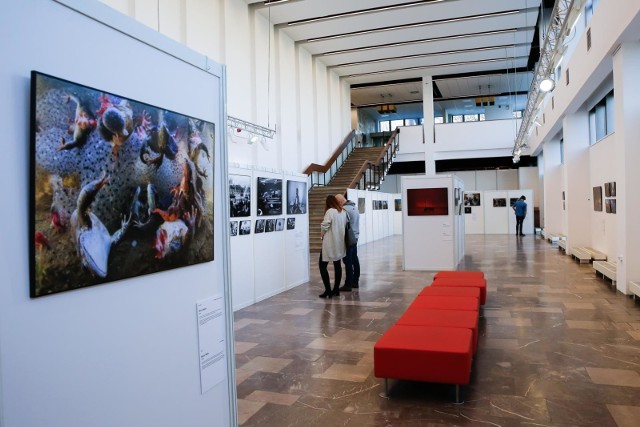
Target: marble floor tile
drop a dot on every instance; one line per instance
(557, 347)
(625, 416)
(271, 397)
(621, 377)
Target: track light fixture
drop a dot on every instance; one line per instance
(547, 84)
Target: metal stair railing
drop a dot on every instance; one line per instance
(321, 175)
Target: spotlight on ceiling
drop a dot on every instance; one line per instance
(253, 139)
(547, 85)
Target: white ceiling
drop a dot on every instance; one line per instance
(469, 47)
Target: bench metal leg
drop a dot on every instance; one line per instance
(458, 400)
(385, 393)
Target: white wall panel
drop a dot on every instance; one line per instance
(496, 218)
(486, 180)
(507, 179)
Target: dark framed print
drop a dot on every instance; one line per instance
(119, 188)
(233, 228)
(467, 209)
(607, 189)
(279, 224)
(361, 205)
(499, 202)
(472, 199)
(597, 199)
(398, 205)
(612, 189)
(239, 195)
(296, 197)
(427, 201)
(269, 196)
(245, 227)
(270, 225)
(260, 226)
(291, 223)
(512, 201)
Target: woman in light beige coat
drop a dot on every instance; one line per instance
(333, 246)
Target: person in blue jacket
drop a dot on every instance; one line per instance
(520, 208)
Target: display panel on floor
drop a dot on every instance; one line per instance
(120, 188)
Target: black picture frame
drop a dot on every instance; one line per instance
(467, 210)
(499, 202)
(259, 226)
(428, 201)
(114, 182)
(233, 228)
(296, 197)
(361, 205)
(472, 199)
(239, 195)
(245, 227)
(291, 223)
(398, 205)
(597, 198)
(269, 196)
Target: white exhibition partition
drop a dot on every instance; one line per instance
(122, 353)
(397, 214)
(432, 242)
(376, 222)
(474, 212)
(496, 212)
(268, 263)
(527, 224)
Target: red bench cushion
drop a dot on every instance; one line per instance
(448, 318)
(445, 303)
(451, 291)
(464, 281)
(424, 353)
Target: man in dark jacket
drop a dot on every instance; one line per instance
(520, 208)
(351, 262)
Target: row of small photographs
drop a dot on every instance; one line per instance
(380, 205)
(243, 228)
(269, 195)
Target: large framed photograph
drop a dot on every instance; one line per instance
(269, 196)
(239, 195)
(296, 197)
(428, 201)
(597, 199)
(119, 188)
(472, 199)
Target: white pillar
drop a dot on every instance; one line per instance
(626, 85)
(576, 180)
(552, 175)
(428, 126)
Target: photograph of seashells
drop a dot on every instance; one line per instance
(119, 188)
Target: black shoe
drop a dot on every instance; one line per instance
(335, 293)
(521, 234)
(355, 286)
(345, 288)
(325, 295)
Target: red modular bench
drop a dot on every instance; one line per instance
(425, 353)
(438, 302)
(451, 291)
(447, 318)
(464, 280)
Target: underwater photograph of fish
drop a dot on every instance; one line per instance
(119, 188)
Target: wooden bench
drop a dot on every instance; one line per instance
(581, 255)
(596, 255)
(562, 246)
(554, 237)
(634, 287)
(607, 269)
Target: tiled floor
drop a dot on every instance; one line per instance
(557, 347)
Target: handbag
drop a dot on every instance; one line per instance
(350, 238)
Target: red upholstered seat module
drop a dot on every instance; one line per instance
(451, 291)
(424, 353)
(447, 318)
(464, 281)
(445, 303)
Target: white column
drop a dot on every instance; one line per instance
(626, 84)
(552, 175)
(427, 108)
(576, 180)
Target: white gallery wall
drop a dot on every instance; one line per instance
(268, 263)
(307, 104)
(126, 352)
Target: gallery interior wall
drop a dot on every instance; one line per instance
(122, 353)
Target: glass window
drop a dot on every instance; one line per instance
(562, 151)
(517, 114)
(470, 117)
(602, 119)
(456, 118)
(482, 117)
(384, 126)
(611, 126)
(396, 123)
(438, 120)
(410, 122)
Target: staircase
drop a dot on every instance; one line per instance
(338, 185)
